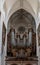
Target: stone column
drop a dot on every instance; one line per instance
(0, 36)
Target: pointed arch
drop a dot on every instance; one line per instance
(22, 18)
(28, 8)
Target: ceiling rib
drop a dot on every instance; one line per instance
(21, 3)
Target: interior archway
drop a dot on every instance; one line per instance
(25, 14)
(21, 34)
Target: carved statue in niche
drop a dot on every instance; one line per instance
(3, 35)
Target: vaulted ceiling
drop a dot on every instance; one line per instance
(30, 5)
(21, 18)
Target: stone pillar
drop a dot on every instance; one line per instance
(0, 36)
(37, 49)
(5, 47)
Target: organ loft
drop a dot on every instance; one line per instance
(21, 39)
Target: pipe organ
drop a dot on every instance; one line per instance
(21, 47)
(21, 39)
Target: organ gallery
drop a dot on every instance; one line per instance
(21, 39)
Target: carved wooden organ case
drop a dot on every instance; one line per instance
(20, 44)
